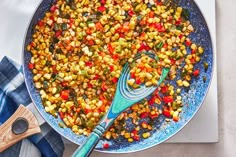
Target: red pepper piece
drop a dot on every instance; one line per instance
(99, 26)
(131, 12)
(65, 94)
(115, 80)
(115, 56)
(110, 48)
(111, 68)
(181, 36)
(101, 9)
(168, 99)
(188, 43)
(151, 14)
(64, 84)
(90, 85)
(89, 64)
(106, 145)
(91, 42)
(103, 86)
(132, 75)
(151, 101)
(144, 115)
(96, 77)
(88, 32)
(166, 113)
(61, 114)
(164, 89)
(86, 111)
(41, 23)
(138, 81)
(31, 66)
(196, 72)
(53, 8)
(103, 2)
(136, 138)
(58, 33)
(135, 132)
(178, 22)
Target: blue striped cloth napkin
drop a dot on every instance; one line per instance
(13, 92)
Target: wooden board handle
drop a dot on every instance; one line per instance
(7, 137)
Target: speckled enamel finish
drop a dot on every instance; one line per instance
(192, 98)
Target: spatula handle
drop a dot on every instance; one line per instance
(19, 126)
(86, 148)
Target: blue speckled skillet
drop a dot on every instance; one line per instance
(192, 98)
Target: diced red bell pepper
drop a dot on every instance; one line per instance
(115, 56)
(103, 86)
(32, 44)
(106, 145)
(64, 84)
(144, 115)
(151, 14)
(110, 48)
(196, 72)
(61, 114)
(65, 94)
(41, 23)
(31, 66)
(193, 51)
(164, 89)
(166, 113)
(111, 68)
(158, 3)
(99, 26)
(115, 80)
(90, 85)
(192, 60)
(89, 64)
(53, 8)
(131, 12)
(88, 31)
(172, 61)
(103, 2)
(58, 33)
(101, 9)
(188, 43)
(135, 132)
(181, 36)
(136, 138)
(160, 27)
(86, 111)
(168, 99)
(178, 22)
(138, 81)
(54, 69)
(132, 75)
(151, 101)
(96, 77)
(90, 42)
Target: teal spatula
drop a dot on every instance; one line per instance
(124, 98)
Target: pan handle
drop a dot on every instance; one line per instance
(19, 126)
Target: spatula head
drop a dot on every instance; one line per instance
(126, 96)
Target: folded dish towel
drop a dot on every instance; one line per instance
(13, 92)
